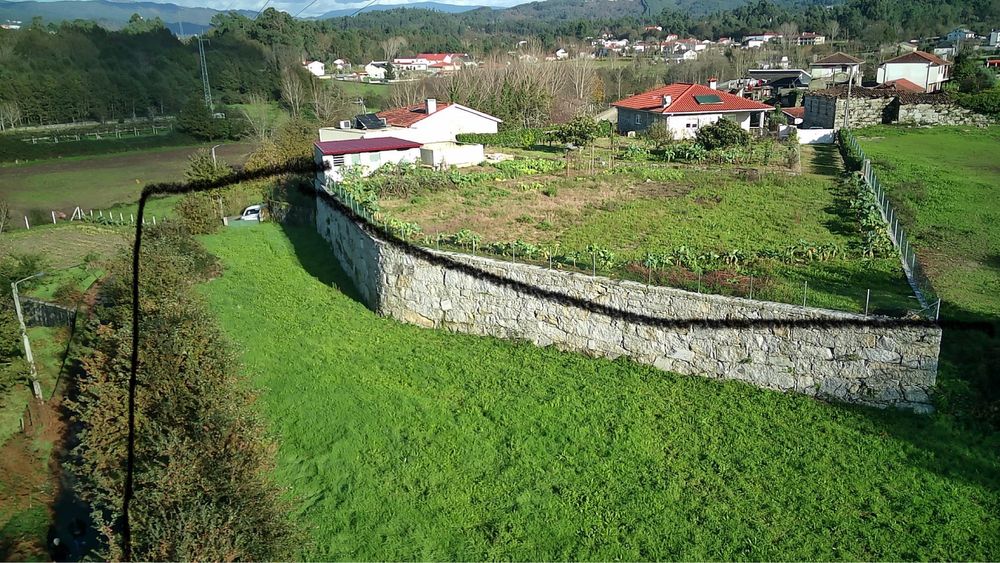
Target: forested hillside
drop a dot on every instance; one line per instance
(80, 71)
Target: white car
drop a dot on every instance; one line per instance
(251, 213)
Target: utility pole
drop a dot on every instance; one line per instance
(33, 373)
(847, 107)
(204, 75)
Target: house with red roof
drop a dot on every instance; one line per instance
(367, 155)
(683, 108)
(838, 68)
(927, 71)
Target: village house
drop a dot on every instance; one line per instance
(367, 155)
(316, 68)
(928, 71)
(341, 64)
(960, 34)
(755, 41)
(838, 68)
(810, 38)
(683, 108)
(432, 125)
(994, 40)
(375, 70)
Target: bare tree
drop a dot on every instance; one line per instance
(407, 93)
(260, 117)
(391, 46)
(4, 214)
(788, 31)
(618, 70)
(293, 91)
(833, 29)
(582, 74)
(328, 101)
(10, 115)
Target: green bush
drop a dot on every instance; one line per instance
(199, 212)
(513, 138)
(986, 102)
(723, 133)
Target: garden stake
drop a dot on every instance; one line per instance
(594, 256)
(805, 287)
(751, 287)
(868, 297)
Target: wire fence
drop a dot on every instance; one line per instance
(594, 261)
(117, 133)
(80, 215)
(856, 159)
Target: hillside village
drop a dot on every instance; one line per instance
(477, 283)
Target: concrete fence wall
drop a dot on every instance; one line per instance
(43, 313)
(771, 345)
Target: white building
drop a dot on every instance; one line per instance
(376, 70)
(684, 108)
(994, 40)
(837, 68)
(561, 54)
(923, 69)
(755, 41)
(317, 68)
(367, 155)
(432, 125)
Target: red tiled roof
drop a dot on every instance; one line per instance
(918, 57)
(903, 85)
(439, 57)
(838, 58)
(355, 146)
(407, 116)
(683, 100)
(796, 112)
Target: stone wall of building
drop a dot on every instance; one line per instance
(828, 111)
(815, 352)
(940, 114)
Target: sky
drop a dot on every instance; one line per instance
(319, 7)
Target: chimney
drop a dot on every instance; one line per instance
(431, 106)
(667, 100)
(713, 83)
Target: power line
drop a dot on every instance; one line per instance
(261, 9)
(365, 7)
(304, 9)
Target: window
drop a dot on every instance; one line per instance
(373, 157)
(638, 119)
(691, 125)
(338, 160)
(355, 159)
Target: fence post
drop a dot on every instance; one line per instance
(751, 287)
(26, 225)
(937, 313)
(805, 288)
(868, 297)
(594, 257)
(53, 217)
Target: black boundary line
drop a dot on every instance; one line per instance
(307, 166)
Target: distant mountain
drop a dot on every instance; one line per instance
(436, 6)
(555, 10)
(110, 14)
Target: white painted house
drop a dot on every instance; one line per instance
(376, 70)
(928, 71)
(837, 68)
(367, 155)
(684, 108)
(317, 68)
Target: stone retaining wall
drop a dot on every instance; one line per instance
(771, 345)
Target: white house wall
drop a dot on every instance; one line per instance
(680, 124)
(369, 162)
(921, 74)
(445, 123)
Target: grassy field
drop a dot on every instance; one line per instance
(98, 182)
(376, 95)
(945, 182)
(405, 443)
(14, 151)
(642, 209)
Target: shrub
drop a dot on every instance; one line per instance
(514, 138)
(723, 133)
(580, 131)
(199, 212)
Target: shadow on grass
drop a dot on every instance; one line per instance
(314, 253)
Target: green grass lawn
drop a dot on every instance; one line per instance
(398, 442)
(98, 182)
(945, 182)
(375, 95)
(643, 209)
